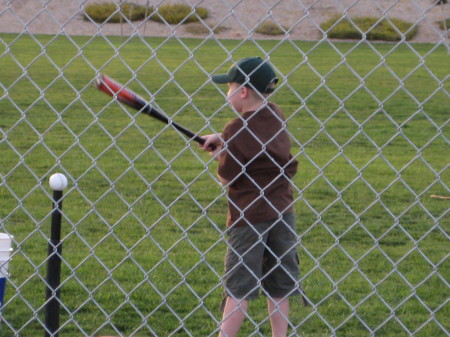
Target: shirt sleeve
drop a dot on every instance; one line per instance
(232, 160)
(291, 168)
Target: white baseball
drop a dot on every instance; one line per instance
(58, 182)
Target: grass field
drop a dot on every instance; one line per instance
(144, 214)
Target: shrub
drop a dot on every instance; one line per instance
(198, 28)
(271, 28)
(382, 31)
(444, 24)
(175, 14)
(110, 13)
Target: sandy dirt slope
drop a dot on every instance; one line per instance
(239, 18)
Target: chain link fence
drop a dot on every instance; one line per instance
(144, 231)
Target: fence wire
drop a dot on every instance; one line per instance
(144, 215)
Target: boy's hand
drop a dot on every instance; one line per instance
(216, 141)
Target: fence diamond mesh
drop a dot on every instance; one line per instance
(143, 221)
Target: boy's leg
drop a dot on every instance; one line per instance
(233, 316)
(279, 315)
(243, 268)
(281, 272)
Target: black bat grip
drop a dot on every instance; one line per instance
(147, 109)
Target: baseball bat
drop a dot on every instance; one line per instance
(440, 197)
(128, 97)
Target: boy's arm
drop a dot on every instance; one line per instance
(214, 139)
(222, 180)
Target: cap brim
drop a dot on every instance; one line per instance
(221, 78)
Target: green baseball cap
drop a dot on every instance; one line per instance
(253, 72)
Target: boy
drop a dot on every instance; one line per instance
(256, 165)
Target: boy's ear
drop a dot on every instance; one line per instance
(245, 91)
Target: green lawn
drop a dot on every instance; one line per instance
(144, 214)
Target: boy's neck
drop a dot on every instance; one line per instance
(254, 105)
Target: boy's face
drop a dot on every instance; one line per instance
(234, 95)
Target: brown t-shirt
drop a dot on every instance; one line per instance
(258, 163)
